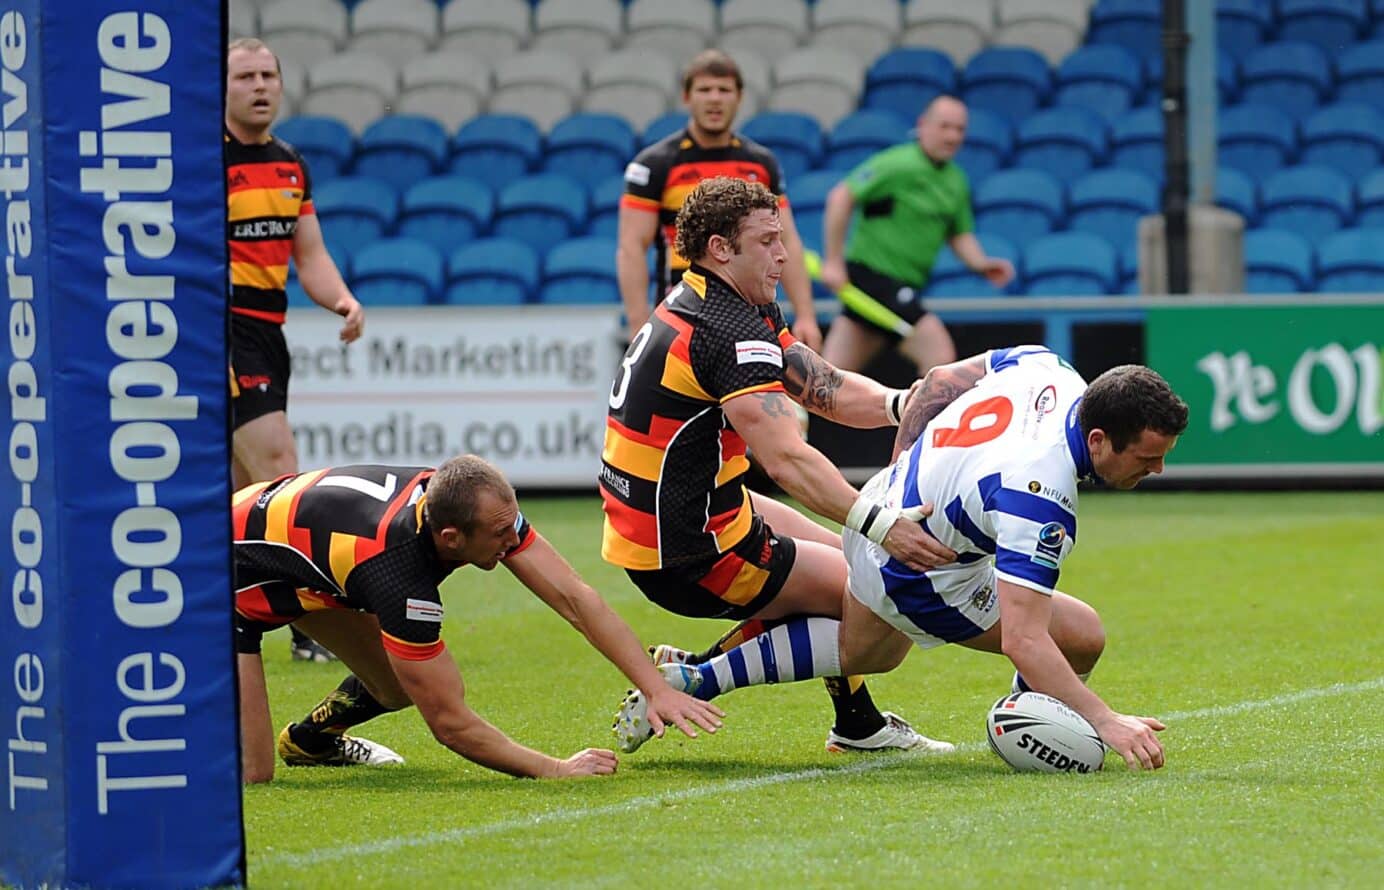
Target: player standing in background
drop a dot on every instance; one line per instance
(356, 554)
(269, 218)
(907, 201)
(999, 441)
(713, 371)
(661, 176)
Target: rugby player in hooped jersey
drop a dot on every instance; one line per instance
(998, 442)
(354, 556)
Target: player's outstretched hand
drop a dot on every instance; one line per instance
(669, 705)
(909, 543)
(349, 308)
(590, 762)
(1133, 739)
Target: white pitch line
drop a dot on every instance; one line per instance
(389, 845)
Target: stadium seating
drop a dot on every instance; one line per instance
(949, 276)
(1311, 200)
(1063, 141)
(1277, 262)
(1294, 77)
(858, 136)
(1052, 27)
(989, 141)
(394, 30)
(1236, 191)
(581, 270)
(355, 211)
(351, 87)
(635, 83)
(771, 28)
(1019, 205)
(541, 210)
(1129, 268)
(605, 206)
(1136, 140)
(1241, 25)
(1346, 136)
(448, 86)
(583, 29)
(493, 30)
(1369, 198)
(1105, 79)
(958, 29)
(807, 195)
(663, 125)
(1009, 80)
(542, 85)
(446, 211)
(1360, 73)
(1110, 202)
(492, 271)
(1327, 24)
(243, 20)
(306, 31)
(795, 139)
(1351, 261)
(397, 272)
(496, 148)
(1257, 139)
(677, 29)
(1135, 25)
(1071, 263)
(863, 28)
(589, 147)
(821, 81)
(905, 80)
(401, 149)
(324, 142)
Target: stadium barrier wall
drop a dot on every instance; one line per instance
(527, 387)
(117, 672)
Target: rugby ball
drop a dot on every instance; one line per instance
(1036, 733)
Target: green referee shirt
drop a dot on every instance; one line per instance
(906, 207)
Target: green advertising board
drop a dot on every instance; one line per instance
(1284, 389)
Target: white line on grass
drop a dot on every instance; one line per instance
(389, 845)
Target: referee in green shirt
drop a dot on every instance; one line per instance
(906, 201)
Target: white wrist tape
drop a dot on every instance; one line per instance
(871, 519)
(894, 402)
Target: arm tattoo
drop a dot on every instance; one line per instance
(940, 388)
(811, 380)
(774, 404)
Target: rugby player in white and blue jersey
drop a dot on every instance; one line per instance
(998, 443)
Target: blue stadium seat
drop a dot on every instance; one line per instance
(355, 211)
(1063, 141)
(1330, 25)
(1227, 80)
(492, 271)
(1136, 140)
(663, 125)
(446, 211)
(1348, 136)
(1110, 202)
(1135, 25)
(1360, 74)
(1277, 262)
(1241, 25)
(1256, 139)
(397, 272)
(950, 277)
(1351, 261)
(1105, 79)
(1236, 191)
(496, 148)
(1071, 264)
(401, 149)
(1009, 80)
(589, 147)
(541, 210)
(906, 79)
(1312, 200)
(1295, 77)
(1020, 205)
(859, 135)
(605, 206)
(580, 271)
(1369, 200)
(795, 139)
(807, 195)
(989, 142)
(324, 142)
(1129, 268)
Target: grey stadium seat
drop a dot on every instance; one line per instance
(584, 29)
(864, 27)
(958, 29)
(295, 80)
(679, 28)
(354, 88)
(542, 85)
(492, 30)
(396, 30)
(821, 81)
(449, 86)
(770, 27)
(304, 31)
(637, 83)
(1052, 27)
(244, 19)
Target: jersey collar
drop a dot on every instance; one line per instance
(1076, 444)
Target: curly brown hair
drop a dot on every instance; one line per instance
(719, 206)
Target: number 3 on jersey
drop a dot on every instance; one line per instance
(979, 423)
(621, 389)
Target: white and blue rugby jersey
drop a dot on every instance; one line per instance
(1001, 465)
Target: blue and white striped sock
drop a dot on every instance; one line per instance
(798, 649)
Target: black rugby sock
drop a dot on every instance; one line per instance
(350, 704)
(856, 714)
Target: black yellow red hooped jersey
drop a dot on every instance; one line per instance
(267, 190)
(348, 537)
(660, 178)
(672, 474)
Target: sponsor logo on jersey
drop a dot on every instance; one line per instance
(983, 599)
(1035, 486)
(423, 610)
(252, 381)
(266, 228)
(747, 351)
(1052, 494)
(1049, 550)
(637, 174)
(614, 481)
(1046, 402)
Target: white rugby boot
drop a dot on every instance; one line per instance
(631, 726)
(347, 751)
(896, 734)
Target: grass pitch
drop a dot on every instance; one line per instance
(1251, 623)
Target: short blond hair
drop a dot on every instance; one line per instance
(254, 45)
